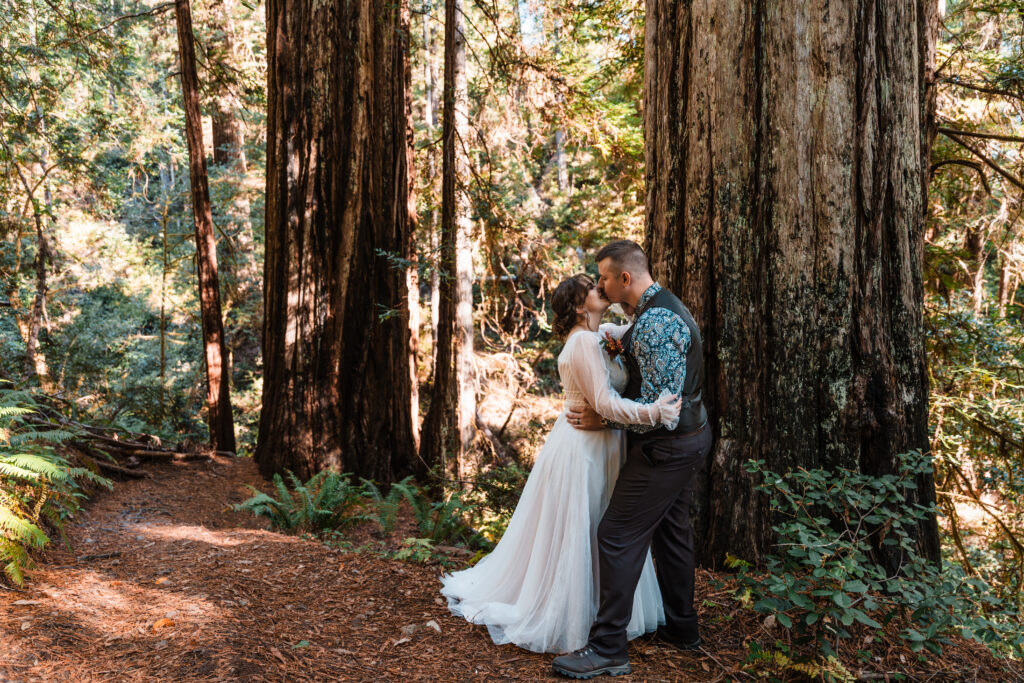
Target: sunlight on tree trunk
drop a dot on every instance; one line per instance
(218, 374)
(786, 161)
(450, 424)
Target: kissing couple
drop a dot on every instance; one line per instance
(599, 549)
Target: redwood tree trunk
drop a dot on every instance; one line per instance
(218, 376)
(450, 424)
(336, 342)
(786, 162)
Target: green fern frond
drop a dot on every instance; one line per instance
(19, 529)
(44, 436)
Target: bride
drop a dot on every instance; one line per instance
(538, 588)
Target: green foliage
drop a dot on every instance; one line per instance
(977, 438)
(330, 502)
(419, 550)
(327, 501)
(763, 662)
(826, 581)
(494, 495)
(383, 509)
(39, 489)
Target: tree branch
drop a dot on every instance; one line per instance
(987, 136)
(156, 10)
(988, 162)
(981, 88)
(969, 164)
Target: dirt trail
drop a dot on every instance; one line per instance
(166, 583)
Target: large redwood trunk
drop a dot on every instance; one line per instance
(218, 376)
(336, 343)
(787, 152)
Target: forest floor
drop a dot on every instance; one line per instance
(167, 583)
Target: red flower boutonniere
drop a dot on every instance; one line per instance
(612, 346)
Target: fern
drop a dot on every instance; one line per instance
(326, 501)
(39, 489)
(329, 501)
(384, 509)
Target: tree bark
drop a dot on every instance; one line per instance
(336, 340)
(430, 123)
(228, 138)
(787, 160)
(449, 426)
(218, 378)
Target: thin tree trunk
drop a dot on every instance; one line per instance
(561, 166)
(560, 162)
(218, 377)
(337, 388)
(976, 247)
(229, 149)
(430, 123)
(1004, 285)
(787, 153)
(36, 361)
(429, 69)
(228, 139)
(449, 426)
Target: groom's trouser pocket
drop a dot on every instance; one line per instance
(658, 452)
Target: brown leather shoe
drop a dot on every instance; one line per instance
(586, 663)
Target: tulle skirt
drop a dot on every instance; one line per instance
(538, 589)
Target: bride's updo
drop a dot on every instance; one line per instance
(569, 294)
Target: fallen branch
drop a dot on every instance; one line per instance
(100, 556)
(109, 468)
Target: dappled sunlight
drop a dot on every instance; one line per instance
(182, 532)
(113, 608)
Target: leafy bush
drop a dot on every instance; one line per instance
(330, 501)
(825, 579)
(495, 494)
(442, 521)
(39, 489)
(384, 509)
(327, 501)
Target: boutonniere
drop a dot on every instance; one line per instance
(612, 346)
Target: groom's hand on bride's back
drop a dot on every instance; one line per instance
(586, 418)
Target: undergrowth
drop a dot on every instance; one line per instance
(823, 585)
(329, 503)
(39, 489)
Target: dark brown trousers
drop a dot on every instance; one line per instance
(650, 508)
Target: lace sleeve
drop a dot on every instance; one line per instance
(589, 368)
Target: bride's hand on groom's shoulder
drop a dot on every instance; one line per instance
(585, 418)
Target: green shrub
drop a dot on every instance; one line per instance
(39, 489)
(330, 502)
(494, 495)
(384, 509)
(824, 579)
(327, 501)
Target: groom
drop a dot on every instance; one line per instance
(650, 506)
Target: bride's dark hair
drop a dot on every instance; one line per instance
(569, 294)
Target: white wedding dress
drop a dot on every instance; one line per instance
(538, 589)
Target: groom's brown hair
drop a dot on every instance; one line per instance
(626, 255)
